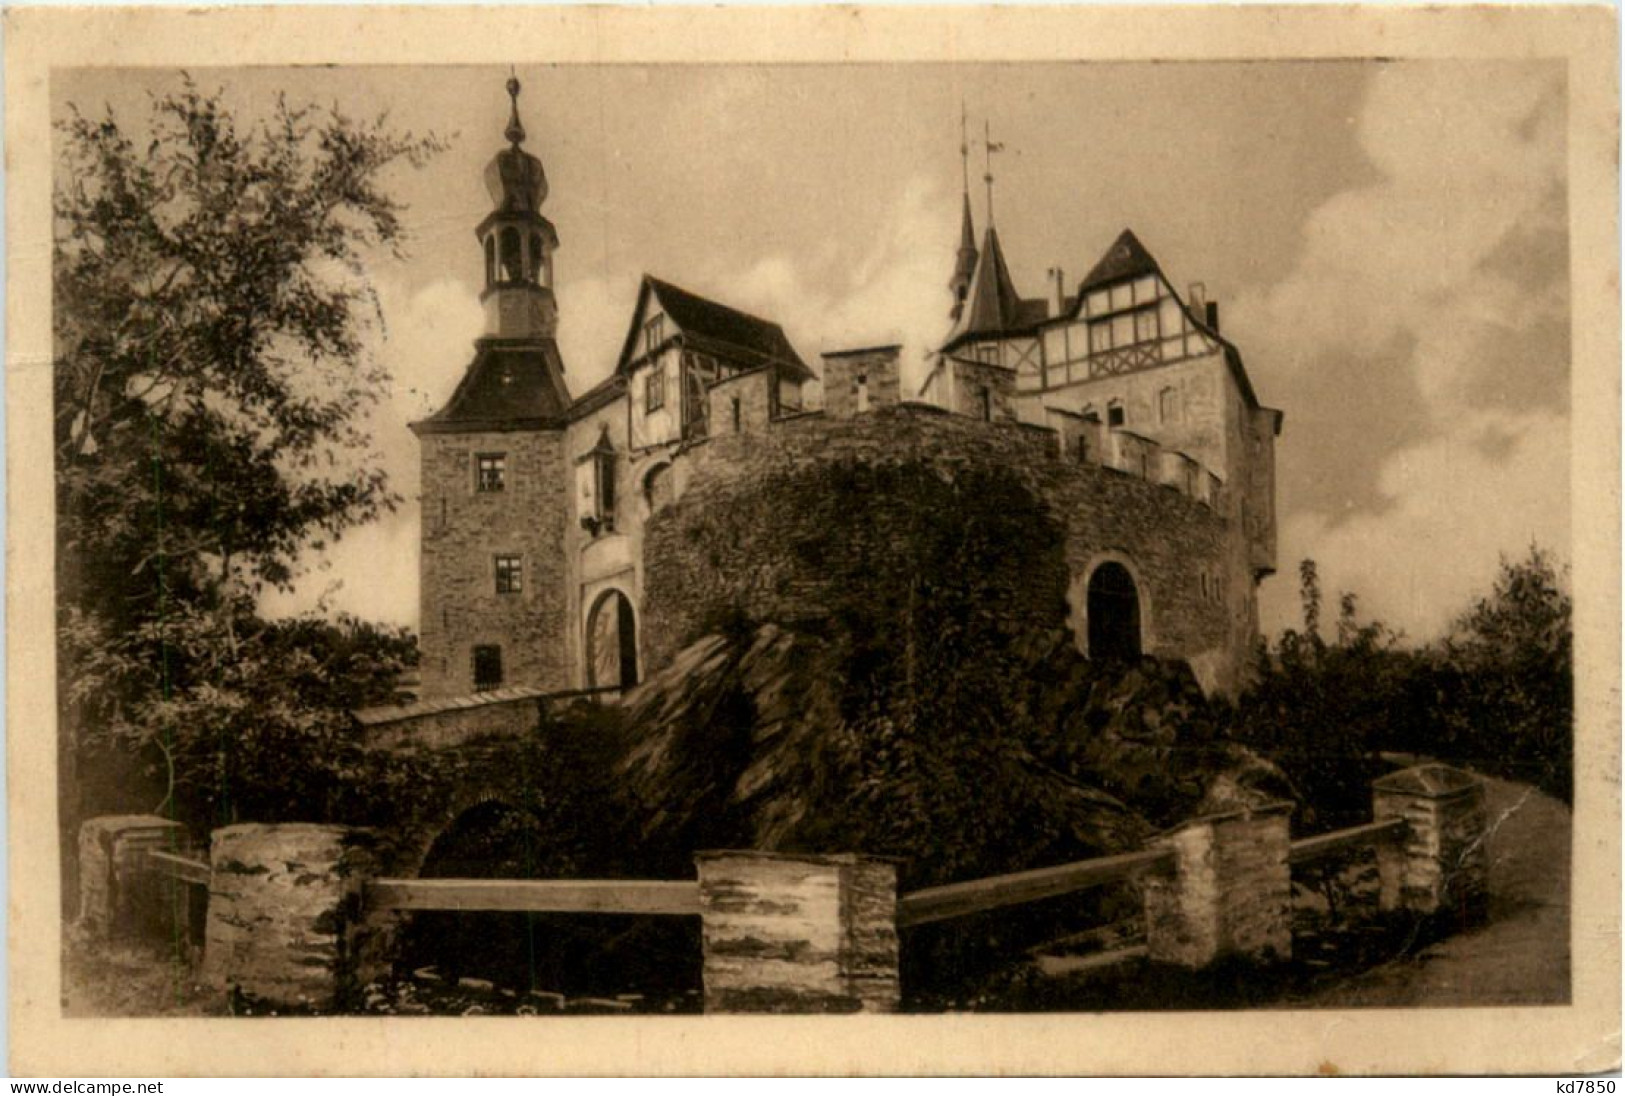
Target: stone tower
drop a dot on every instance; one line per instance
(494, 481)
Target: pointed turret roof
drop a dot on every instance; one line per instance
(993, 304)
(993, 307)
(964, 262)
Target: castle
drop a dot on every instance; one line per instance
(545, 546)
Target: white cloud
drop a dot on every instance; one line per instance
(426, 340)
(593, 314)
(893, 290)
(1458, 501)
(1471, 158)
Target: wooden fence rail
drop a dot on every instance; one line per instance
(959, 899)
(1322, 845)
(183, 868)
(644, 896)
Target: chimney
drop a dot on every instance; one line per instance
(1058, 305)
(1213, 316)
(1196, 297)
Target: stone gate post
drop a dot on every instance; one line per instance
(1229, 892)
(116, 892)
(796, 934)
(1439, 867)
(284, 908)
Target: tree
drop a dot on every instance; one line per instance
(212, 387)
(1508, 673)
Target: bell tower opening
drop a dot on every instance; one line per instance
(518, 241)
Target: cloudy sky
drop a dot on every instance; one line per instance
(1388, 242)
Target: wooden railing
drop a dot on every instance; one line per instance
(185, 869)
(641, 896)
(959, 899)
(979, 895)
(1372, 833)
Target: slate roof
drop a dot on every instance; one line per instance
(1126, 258)
(716, 328)
(509, 386)
(993, 307)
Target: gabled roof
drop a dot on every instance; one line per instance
(1126, 258)
(714, 327)
(510, 385)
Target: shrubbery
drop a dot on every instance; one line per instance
(1495, 694)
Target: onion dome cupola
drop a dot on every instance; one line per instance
(517, 240)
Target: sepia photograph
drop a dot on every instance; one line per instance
(561, 541)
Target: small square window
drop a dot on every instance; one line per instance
(654, 390)
(487, 668)
(510, 575)
(1114, 415)
(492, 472)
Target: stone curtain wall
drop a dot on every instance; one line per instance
(773, 523)
(464, 530)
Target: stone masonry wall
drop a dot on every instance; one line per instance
(879, 369)
(693, 569)
(463, 532)
(283, 907)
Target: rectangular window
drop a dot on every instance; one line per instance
(1114, 415)
(510, 575)
(1145, 325)
(491, 472)
(987, 404)
(487, 668)
(654, 333)
(988, 353)
(654, 390)
(1167, 405)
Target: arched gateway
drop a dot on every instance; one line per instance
(612, 643)
(1113, 614)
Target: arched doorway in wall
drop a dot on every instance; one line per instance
(612, 643)
(1113, 614)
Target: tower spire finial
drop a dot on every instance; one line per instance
(990, 147)
(964, 151)
(515, 133)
